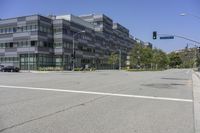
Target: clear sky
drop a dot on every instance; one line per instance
(141, 17)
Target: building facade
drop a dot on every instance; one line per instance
(35, 41)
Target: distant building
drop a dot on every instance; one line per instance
(148, 44)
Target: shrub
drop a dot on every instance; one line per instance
(77, 69)
(50, 69)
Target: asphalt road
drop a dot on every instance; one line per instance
(97, 102)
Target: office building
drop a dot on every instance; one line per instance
(35, 41)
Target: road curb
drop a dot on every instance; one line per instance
(198, 74)
(196, 94)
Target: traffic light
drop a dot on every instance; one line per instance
(199, 49)
(154, 35)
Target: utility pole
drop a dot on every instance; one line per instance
(195, 58)
(195, 53)
(120, 58)
(29, 45)
(28, 58)
(138, 57)
(73, 55)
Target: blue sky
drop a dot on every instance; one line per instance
(141, 17)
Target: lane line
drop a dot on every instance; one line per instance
(99, 93)
(188, 71)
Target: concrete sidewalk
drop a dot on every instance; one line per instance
(196, 93)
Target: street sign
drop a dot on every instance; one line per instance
(167, 37)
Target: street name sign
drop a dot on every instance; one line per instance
(167, 37)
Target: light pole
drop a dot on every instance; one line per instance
(28, 58)
(138, 59)
(188, 14)
(196, 47)
(195, 53)
(73, 59)
(120, 57)
(29, 45)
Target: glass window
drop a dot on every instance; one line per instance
(11, 45)
(5, 30)
(9, 30)
(14, 29)
(22, 29)
(49, 31)
(5, 59)
(25, 28)
(19, 29)
(31, 59)
(41, 28)
(2, 45)
(58, 59)
(30, 27)
(33, 43)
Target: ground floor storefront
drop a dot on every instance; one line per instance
(35, 61)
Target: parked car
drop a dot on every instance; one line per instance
(10, 69)
(1, 67)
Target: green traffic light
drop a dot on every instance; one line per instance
(154, 35)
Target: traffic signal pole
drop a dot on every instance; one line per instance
(155, 34)
(182, 37)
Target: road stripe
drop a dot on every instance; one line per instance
(188, 71)
(99, 93)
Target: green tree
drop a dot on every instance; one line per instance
(141, 56)
(113, 59)
(146, 57)
(188, 58)
(175, 60)
(198, 61)
(160, 59)
(135, 55)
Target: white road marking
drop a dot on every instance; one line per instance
(99, 93)
(188, 71)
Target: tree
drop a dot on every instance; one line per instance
(160, 59)
(135, 55)
(188, 58)
(141, 56)
(198, 61)
(146, 57)
(175, 60)
(113, 59)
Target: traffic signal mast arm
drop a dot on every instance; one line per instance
(180, 37)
